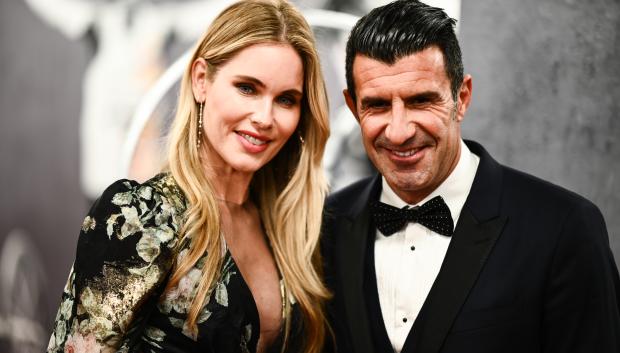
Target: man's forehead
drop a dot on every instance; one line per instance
(426, 66)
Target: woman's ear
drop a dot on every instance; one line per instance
(199, 79)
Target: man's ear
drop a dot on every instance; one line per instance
(350, 103)
(464, 98)
(199, 79)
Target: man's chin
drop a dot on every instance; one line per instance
(414, 172)
(407, 183)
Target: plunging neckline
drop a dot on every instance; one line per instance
(254, 307)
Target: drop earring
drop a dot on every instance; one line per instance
(199, 125)
(301, 139)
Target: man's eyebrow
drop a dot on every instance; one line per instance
(425, 96)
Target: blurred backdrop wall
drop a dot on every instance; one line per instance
(74, 72)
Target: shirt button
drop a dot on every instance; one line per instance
(412, 248)
(404, 319)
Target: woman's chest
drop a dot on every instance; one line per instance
(227, 322)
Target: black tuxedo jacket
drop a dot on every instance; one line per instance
(529, 269)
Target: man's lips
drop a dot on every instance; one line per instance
(406, 155)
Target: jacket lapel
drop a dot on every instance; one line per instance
(471, 244)
(477, 230)
(352, 238)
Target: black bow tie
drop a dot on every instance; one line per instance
(434, 215)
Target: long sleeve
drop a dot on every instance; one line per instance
(125, 251)
(582, 299)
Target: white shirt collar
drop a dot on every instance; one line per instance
(454, 190)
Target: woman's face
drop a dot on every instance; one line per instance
(252, 106)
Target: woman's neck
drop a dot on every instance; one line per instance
(229, 185)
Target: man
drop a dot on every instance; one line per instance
(447, 250)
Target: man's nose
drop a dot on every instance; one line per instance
(400, 127)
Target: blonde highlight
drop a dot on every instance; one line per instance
(289, 190)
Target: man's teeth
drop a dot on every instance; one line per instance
(253, 140)
(405, 153)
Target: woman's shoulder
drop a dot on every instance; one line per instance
(162, 187)
(154, 201)
(132, 217)
(125, 251)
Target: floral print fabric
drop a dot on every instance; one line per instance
(126, 249)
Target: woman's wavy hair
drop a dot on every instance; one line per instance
(289, 190)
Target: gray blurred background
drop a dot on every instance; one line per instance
(546, 96)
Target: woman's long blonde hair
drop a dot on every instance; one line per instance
(289, 190)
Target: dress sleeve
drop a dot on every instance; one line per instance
(124, 253)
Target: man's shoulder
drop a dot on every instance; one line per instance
(342, 201)
(539, 192)
(521, 187)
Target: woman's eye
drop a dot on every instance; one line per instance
(286, 101)
(245, 88)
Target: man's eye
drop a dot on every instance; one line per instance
(377, 105)
(419, 101)
(245, 88)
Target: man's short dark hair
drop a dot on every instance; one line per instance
(402, 28)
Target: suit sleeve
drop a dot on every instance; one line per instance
(124, 252)
(581, 307)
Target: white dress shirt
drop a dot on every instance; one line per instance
(408, 261)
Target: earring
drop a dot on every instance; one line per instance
(301, 139)
(199, 125)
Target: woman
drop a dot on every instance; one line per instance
(214, 254)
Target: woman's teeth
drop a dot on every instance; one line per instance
(253, 140)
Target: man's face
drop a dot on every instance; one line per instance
(410, 123)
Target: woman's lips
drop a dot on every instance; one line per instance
(252, 143)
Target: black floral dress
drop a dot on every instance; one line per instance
(126, 250)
